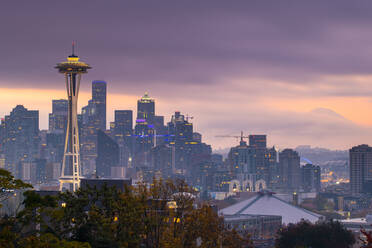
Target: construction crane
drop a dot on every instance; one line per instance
(233, 136)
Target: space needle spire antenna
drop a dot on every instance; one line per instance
(72, 69)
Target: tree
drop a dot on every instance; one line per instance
(50, 241)
(8, 184)
(320, 235)
(367, 240)
(232, 239)
(163, 214)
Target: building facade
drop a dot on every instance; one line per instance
(310, 175)
(360, 169)
(289, 170)
(21, 138)
(107, 155)
(58, 117)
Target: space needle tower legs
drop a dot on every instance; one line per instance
(72, 69)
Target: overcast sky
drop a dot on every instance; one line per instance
(298, 71)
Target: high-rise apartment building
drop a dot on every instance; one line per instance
(289, 170)
(21, 140)
(360, 169)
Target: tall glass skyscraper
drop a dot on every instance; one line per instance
(58, 117)
(107, 155)
(93, 119)
(21, 141)
(99, 92)
(360, 169)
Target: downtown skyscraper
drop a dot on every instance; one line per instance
(20, 140)
(289, 170)
(99, 95)
(360, 169)
(122, 132)
(58, 117)
(93, 119)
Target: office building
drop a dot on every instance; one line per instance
(123, 123)
(360, 169)
(161, 159)
(107, 155)
(145, 136)
(289, 170)
(58, 117)
(99, 94)
(271, 160)
(310, 175)
(242, 161)
(21, 140)
(257, 141)
(122, 131)
(180, 133)
(146, 109)
(93, 118)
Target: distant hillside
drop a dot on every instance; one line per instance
(322, 155)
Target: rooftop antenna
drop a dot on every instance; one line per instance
(73, 48)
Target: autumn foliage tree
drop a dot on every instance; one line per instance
(163, 214)
(366, 238)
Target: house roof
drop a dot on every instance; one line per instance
(265, 203)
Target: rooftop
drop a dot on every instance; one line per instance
(265, 203)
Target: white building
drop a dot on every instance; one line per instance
(266, 203)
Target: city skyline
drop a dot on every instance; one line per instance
(253, 70)
(211, 123)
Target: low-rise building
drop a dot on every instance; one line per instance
(266, 203)
(258, 226)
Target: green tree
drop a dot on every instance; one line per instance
(8, 184)
(50, 241)
(320, 235)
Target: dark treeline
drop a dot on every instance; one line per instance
(163, 214)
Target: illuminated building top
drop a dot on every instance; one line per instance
(72, 64)
(146, 98)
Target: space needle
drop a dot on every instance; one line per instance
(72, 68)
